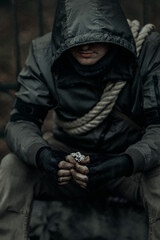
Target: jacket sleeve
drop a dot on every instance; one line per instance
(146, 152)
(23, 133)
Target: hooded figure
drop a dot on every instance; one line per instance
(106, 102)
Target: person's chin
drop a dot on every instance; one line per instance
(87, 61)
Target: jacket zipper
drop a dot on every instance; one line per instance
(155, 78)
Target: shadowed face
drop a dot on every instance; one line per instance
(89, 54)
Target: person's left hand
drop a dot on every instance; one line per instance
(80, 171)
(96, 169)
(104, 168)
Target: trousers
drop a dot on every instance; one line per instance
(20, 184)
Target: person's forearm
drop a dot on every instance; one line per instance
(146, 152)
(24, 138)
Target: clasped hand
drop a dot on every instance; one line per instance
(70, 169)
(95, 169)
(63, 168)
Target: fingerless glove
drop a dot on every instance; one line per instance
(48, 160)
(103, 167)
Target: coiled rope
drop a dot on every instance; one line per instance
(140, 35)
(110, 94)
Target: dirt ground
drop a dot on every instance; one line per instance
(107, 219)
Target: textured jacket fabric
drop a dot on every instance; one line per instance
(48, 81)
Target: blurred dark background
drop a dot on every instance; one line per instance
(34, 18)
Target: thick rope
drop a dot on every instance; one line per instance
(110, 94)
(146, 30)
(140, 37)
(97, 114)
(91, 114)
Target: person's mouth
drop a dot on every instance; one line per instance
(86, 54)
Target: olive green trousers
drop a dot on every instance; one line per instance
(20, 184)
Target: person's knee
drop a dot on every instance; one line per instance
(13, 166)
(18, 183)
(151, 190)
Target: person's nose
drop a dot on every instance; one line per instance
(85, 47)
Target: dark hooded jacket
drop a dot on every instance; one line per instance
(49, 81)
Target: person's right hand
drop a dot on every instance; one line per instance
(64, 172)
(53, 162)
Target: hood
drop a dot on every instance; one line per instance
(79, 22)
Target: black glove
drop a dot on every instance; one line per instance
(103, 168)
(48, 160)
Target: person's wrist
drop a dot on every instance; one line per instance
(47, 157)
(128, 165)
(42, 154)
(102, 157)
